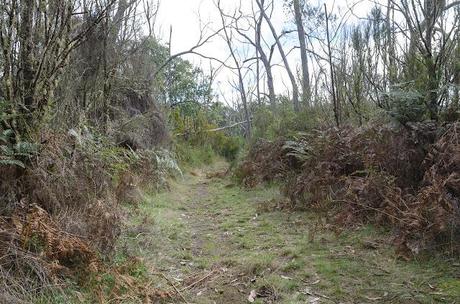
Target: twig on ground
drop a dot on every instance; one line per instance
(199, 281)
(173, 286)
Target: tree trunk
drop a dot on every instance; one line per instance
(456, 98)
(265, 61)
(390, 45)
(295, 88)
(258, 79)
(430, 8)
(242, 89)
(271, 86)
(334, 95)
(245, 103)
(26, 46)
(306, 90)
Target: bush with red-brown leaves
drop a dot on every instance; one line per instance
(267, 161)
(63, 210)
(406, 178)
(434, 214)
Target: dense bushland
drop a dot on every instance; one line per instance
(198, 136)
(82, 132)
(404, 178)
(64, 208)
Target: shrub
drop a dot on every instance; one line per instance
(14, 154)
(190, 155)
(272, 122)
(406, 105)
(266, 161)
(143, 132)
(226, 146)
(390, 176)
(62, 210)
(197, 140)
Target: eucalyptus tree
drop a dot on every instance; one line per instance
(227, 25)
(276, 37)
(306, 89)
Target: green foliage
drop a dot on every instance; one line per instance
(196, 144)
(35, 243)
(117, 160)
(189, 86)
(406, 106)
(3, 108)
(415, 74)
(282, 121)
(164, 163)
(179, 83)
(13, 151)
(226, 146)
(14, 154)
(99, 148)
(298, 149)
(193, 115)
(193, 155)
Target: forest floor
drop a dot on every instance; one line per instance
(218, 243)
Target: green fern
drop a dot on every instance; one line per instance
(6, 135)
(12, 162)
(298, 149)
(14, 154)
(25, 149)
(6, 151)
(166, 163)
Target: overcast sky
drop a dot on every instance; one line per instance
(184, 16)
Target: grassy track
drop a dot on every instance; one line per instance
(217, 242)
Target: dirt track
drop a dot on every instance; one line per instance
(218, 243)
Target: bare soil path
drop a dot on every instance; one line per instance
(218, 243)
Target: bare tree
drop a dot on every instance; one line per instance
(333, 88)
(306, 90)
(426, 27)
(390, 57)
(206, 35)
(263, 52)
(295, 88)
(150, 9)
(238, 65)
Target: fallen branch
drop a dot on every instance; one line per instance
(199, 281)
(228, 127)
(173, 286)
(219, 129)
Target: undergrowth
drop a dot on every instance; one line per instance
(405, 178)
(193, 156)
(61, 216)
(217, 243)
